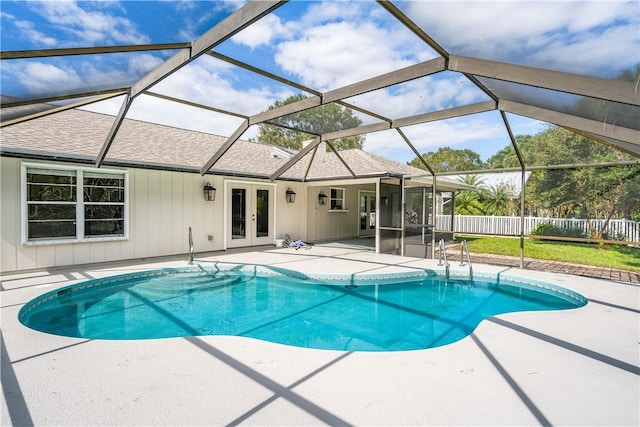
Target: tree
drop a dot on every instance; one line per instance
(291, 130)
(586, 192)
(610, 112)
(450, 160)
(499, 200)
(506, 157)
(468, 202)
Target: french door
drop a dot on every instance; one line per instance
(367, 213)
(250, 214)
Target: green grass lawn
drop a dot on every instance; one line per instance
(612, 256)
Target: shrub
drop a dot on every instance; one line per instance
(548, 229)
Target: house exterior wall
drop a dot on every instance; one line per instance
(162, 207)
(290, 218)
(324, 224)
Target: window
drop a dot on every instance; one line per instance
(337, 199)
(73, 204)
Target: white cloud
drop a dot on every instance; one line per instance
(142, 63)
(594, 54)
(325, 12)
(546, 34)
(420, 96)
(196, 17)
(155, 110)
(337, 43)
(480, 133)
(210, 82)
(28, 31)
(262, 32)
(54, 76)
(336, 54)
(89, 27)
(39, 77)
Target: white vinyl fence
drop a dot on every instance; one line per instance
(618, 229)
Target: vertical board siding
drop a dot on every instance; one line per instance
(325, 225)
(162, 207)
(9, 213)
(288, 218)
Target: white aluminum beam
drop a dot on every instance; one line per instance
(195, 104)
(353, 174)
(229, 26)
(262, 72)
(415, 151)
(225, 147)
(50, 99)
(284, 110)
(415, 28)
(450, 113)
(46, 53)
(375, 127)
(389, 79)
(632, 149)
(62, 108)
(605, 129)
(385, 80)
(114, 129)
(611, 90)
(293, 160)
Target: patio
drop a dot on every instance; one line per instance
(576, 367)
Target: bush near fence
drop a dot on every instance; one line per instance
(618, 229)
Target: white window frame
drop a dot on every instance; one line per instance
(342, 199)
(80, 220)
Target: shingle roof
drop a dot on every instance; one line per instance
(79, 135)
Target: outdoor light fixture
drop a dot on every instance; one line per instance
(291, 196)
(385, 200)
(209, 192)
(322, 198)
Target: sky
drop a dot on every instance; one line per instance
(322, 45)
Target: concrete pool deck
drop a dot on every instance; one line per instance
(573, 367)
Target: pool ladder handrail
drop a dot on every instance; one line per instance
(443, 254)
(191, 247)
(464, 250)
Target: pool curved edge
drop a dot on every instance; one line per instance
(361, 279)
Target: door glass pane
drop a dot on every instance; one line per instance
(363, 212)
(238, 217)
(414, 206)
(262, 213)
(372, 212)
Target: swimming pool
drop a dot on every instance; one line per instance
(394, 312)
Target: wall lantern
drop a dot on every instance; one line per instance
(209, 192)
(385, 200)
(291, 196)
(322, 198)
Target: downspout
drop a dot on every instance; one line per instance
(523, 182)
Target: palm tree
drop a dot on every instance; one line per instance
(498, 199)
(468, 202)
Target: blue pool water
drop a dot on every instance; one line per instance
(375, 313)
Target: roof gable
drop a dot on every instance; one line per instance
(79, 135)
